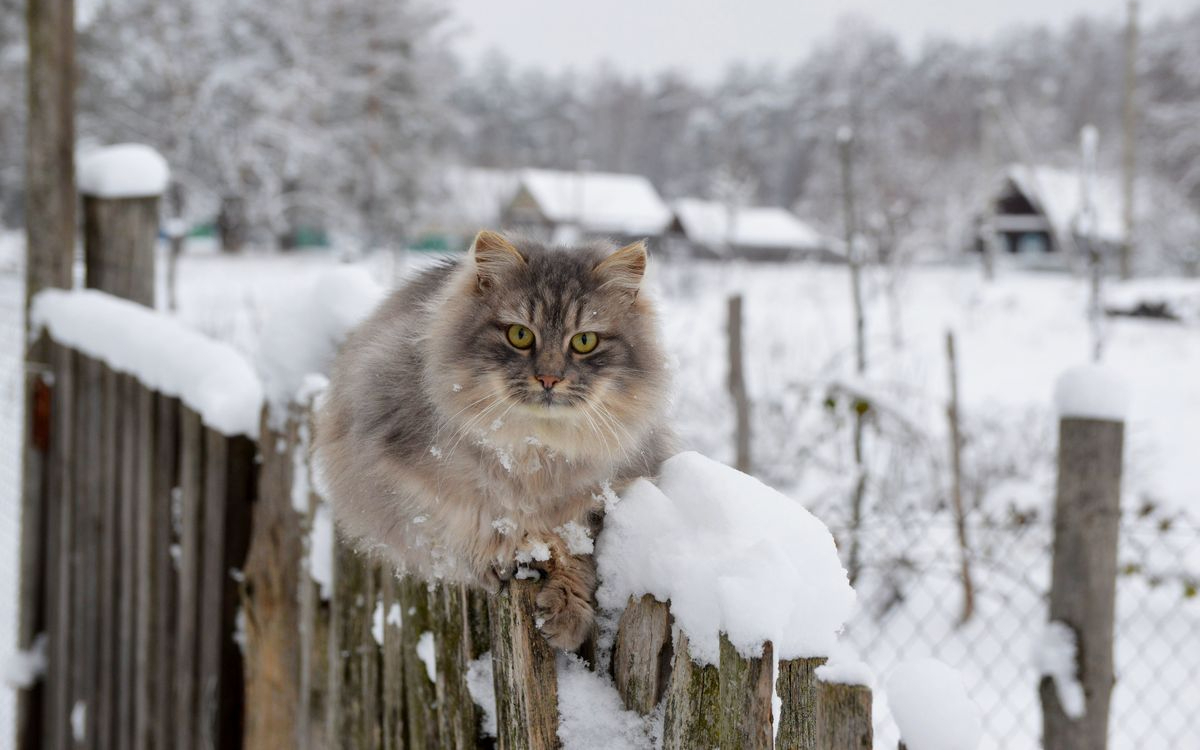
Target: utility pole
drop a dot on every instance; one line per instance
(1129, 138)
(49, 252)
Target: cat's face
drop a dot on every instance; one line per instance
(538, 334)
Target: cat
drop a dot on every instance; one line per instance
(489, 408)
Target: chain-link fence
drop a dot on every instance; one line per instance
(912, 606)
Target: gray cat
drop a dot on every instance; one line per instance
(489, 407)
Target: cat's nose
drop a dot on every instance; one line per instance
(547, 381)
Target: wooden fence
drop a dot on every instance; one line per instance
(147, 514)
(193, 595)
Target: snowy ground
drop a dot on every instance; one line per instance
(1014, 336)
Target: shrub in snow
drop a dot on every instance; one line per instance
(1092, 392)
(731, 554)
(210, 377)
(931, 707)
(127, 170)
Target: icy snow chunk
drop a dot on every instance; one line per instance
(320, 553)
(483, 690)
(731, 554)
(931, 708)
(427, 655)
(302, 334)
(79, 721)
(1055, 656)
(23, 668)
(126, 170)
(210, 377)
(577, 538)
(377, 623)
(394, 617)
(1092, 392)
(844, 671)
(591, 716)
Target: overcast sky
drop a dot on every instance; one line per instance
(702, 36)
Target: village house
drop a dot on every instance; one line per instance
(569, 206)
(715, 230)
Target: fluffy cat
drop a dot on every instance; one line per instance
(488, 407)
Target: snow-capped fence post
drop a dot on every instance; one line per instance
(693, 702)
(745, 689)
(642, 653)
(1091, 404)
(843, 715)
(737, 386)
(121, 186)
(797, 688)
(524, 672)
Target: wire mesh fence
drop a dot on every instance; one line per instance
(911, 607)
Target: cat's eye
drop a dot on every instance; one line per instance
(520, 336)
(584, 342)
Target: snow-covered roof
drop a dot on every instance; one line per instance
(767, 227)
(475, 198)
(598, 202)
(1058, 193)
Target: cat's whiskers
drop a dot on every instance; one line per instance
(608, 418)
(491, 394)
(475, 421)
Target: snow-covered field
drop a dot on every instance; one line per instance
(1014, 336)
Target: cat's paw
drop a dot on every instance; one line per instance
(564, 612)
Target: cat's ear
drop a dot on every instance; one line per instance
(624, 269)
(493, 256)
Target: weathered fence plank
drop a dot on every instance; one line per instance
(146, 609)
(737, 386)
(458, 719)
(166, 505)
(191, 540)
(271, 605)
(844, 717)
(60, 526)
(642, 653)
(1083, 585)
(228, 487)
(85, 615)
(693, 702)
(392, 708)
(420, 689)
(797, 688)
(355, 663)
(745, 689)
(315, 642)
(110, 459)
(524, 672)
(126, 559)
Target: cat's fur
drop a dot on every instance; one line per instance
(439, 448)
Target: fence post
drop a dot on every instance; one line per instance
(693, 702)
(1084, 574)
(120, 224)
(843, 716)
(797, 687)
(745, 688)
(737, 386)
(270, 604)
(524, 672)
(642, 654)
